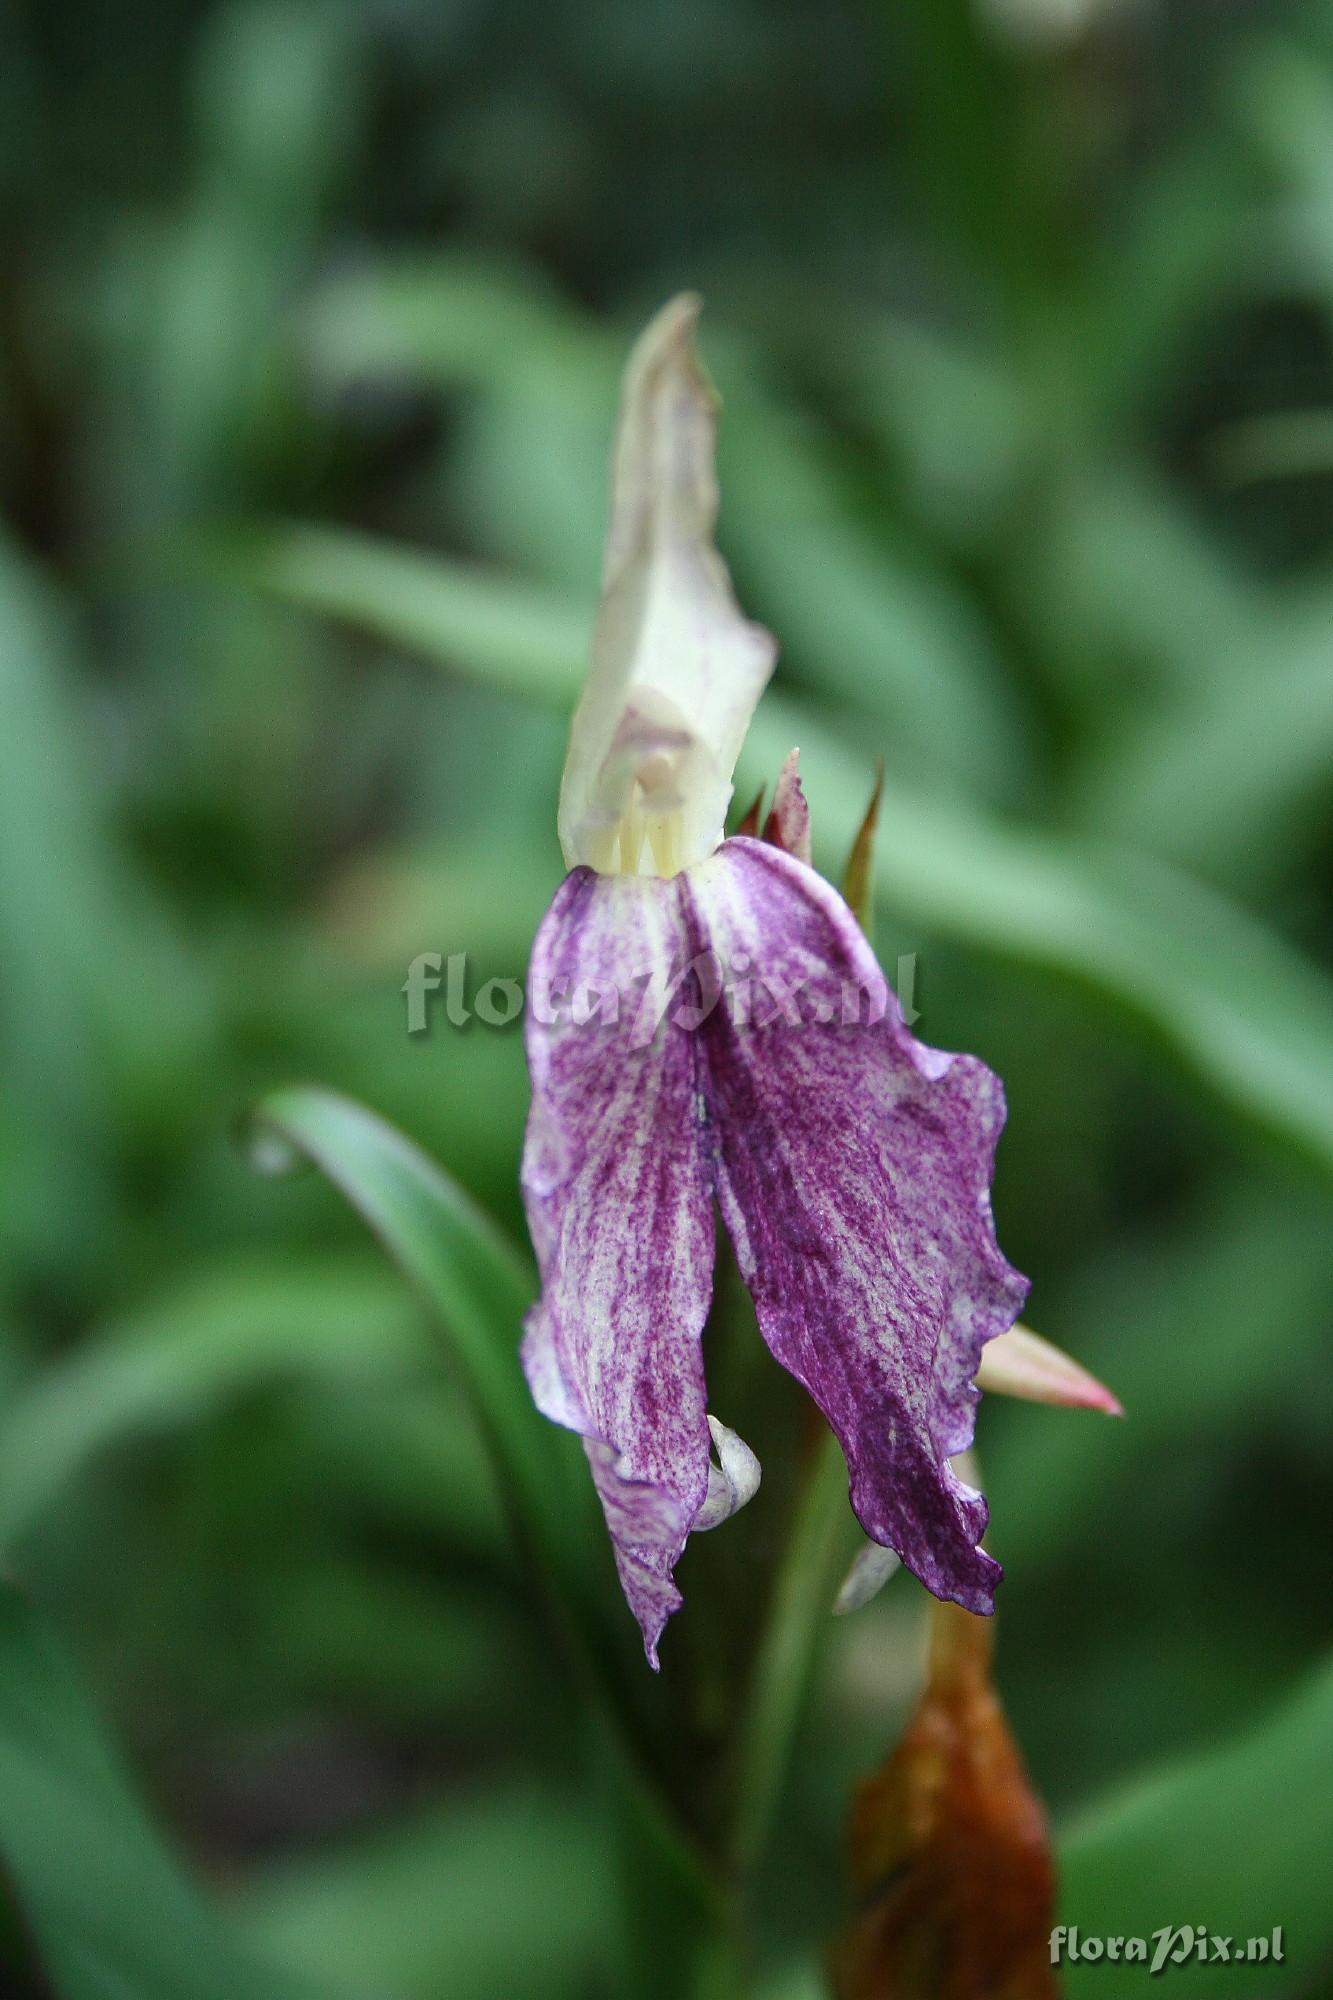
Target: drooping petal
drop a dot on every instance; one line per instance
(676, 670)
(853, 1169)
(788, 824)
(621, 1217)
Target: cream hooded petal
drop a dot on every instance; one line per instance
(676, 669)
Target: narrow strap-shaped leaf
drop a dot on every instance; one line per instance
(522, 635)
(1236, 1006)
(814, 1556)
(415, 1907)
(1164, 1851)
(108, 1911)
(182, 1353)
(479, 1287)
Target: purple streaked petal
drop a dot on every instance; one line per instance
(853, 1169)
(619, 1206)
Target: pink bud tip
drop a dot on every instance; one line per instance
(1021, 1363)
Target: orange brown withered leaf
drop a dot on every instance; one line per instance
(750, 824)
(949, 1853)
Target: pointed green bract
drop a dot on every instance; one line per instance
(858, 877)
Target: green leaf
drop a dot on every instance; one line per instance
(1166, 1851)
(492, 628)
(815, 1559)
(1229, 772)
(1203, 1326)
(83, 936)
(507, 1896)
(1237, 1008)
(221, 1334)
(112, 1916)
(420, 1653)
(84, 941)
(478, 1285)
(873, 624)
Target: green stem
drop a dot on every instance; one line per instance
(723, 1970)
(679, 1934)
(802, 1598)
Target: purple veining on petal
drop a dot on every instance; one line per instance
(615, 1185)
(853, 1167)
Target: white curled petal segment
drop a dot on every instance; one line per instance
(732, 1482)
(676, 669)
(870, 1571)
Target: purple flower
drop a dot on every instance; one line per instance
(714, 1032)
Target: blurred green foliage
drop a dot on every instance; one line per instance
(310, 320)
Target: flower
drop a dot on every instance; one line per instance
(713, 1029)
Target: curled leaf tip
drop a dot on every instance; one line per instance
(266, 1147)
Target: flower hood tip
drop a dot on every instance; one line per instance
(676, 670)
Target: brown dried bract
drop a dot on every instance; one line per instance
(750, 824)
(949, 1851)
(788, 823)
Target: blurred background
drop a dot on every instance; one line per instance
(310, 324)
